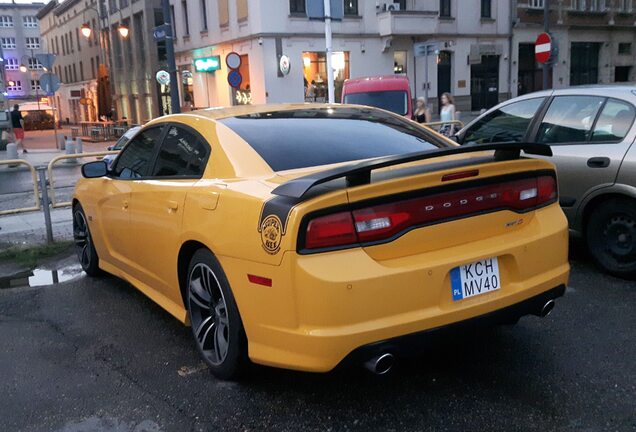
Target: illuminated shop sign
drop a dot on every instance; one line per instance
(243, 97)
(207, 64)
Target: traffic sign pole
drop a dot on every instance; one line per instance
(547, 66)
(175, 106)
(328, 49)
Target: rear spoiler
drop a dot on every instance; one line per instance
(360, 173)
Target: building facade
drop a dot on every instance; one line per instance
(77, 57)
(596, 42)
(471, 40)
(20, 41)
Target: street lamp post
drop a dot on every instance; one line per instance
(31, 64)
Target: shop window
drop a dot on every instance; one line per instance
(315, 75)
(399, 62)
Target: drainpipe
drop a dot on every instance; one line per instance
(513, 14)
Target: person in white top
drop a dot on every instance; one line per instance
(447, 114)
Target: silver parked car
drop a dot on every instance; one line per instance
(591, 132)
(121, 142)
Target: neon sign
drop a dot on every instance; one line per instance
(207, 64)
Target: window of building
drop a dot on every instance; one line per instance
(186, 23)
(204, 14)
(123, 4)
(77, 39)
(17, 86)
(625, 6)
(241, 10)
(535, 4)
(351, 7)
(182, 154)
(11, 63)
(138, 20)
(8, 42)
(297, 7)
(6, 21)
(30, 21)
(35, 85)
(445, 8)
(174, 24)
(486, 8)
(315, 73)
(584, 63)
(112, 6)
(224, 13)
(569, 119)
(81, 68)
(624, 48)
(34, 64)
(92, 68)
(32, 43)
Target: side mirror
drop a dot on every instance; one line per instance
(94, 169)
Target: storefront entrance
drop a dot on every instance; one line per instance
(443, 76)
(484, 83)
(315, 74)
(530, 77)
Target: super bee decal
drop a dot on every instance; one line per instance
(273, 222)
(271, 230)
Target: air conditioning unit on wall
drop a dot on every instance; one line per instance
(390, 7)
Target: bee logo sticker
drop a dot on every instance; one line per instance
(271, 230)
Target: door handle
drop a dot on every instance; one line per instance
(173, 205)
(598, 162)
(125, 205)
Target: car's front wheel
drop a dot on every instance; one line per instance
(84, 248)
(216, 324)
(611, 236)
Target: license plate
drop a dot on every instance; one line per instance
(476, 278)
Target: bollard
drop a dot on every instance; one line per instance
(79, 147)
(44, 190)
(70, 149)
(12, 151)
(62, 142)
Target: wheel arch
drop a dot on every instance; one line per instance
(594, 202)
(186, 252)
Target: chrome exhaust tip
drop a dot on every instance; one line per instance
(380, 364)
(546, 309)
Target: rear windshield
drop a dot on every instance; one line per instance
(394, 101)
(312, 137)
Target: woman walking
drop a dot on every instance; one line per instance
(422, 113)
(447, 114)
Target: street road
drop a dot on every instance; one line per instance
(97, 355)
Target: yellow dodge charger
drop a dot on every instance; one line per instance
(300, 236)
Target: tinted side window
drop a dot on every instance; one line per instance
(182, 154)
(569, 119)
(614, 122)
(507, 124)
(134, 161)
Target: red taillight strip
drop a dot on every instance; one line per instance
(377, 223)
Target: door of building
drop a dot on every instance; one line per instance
(584, 63)
(443, 75)
(484, 83)
(530, 77)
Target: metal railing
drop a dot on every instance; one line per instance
(36, 192)
(442, 123)
(51, 177)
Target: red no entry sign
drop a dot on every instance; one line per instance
(543, 48)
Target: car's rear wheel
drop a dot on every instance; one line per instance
(611, 236)
(216, 324)
(84, 248)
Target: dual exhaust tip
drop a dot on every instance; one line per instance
(381, 364)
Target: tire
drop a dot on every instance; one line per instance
(217, 328)
(84, 247)
(611, 236)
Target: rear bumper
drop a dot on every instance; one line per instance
(406, 345)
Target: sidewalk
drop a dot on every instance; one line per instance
(27, 229)
(46, 140)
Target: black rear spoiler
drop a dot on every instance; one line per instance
(360, 173)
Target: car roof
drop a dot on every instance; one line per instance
(216, 113)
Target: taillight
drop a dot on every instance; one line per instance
(329, 231)
(385, 221)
